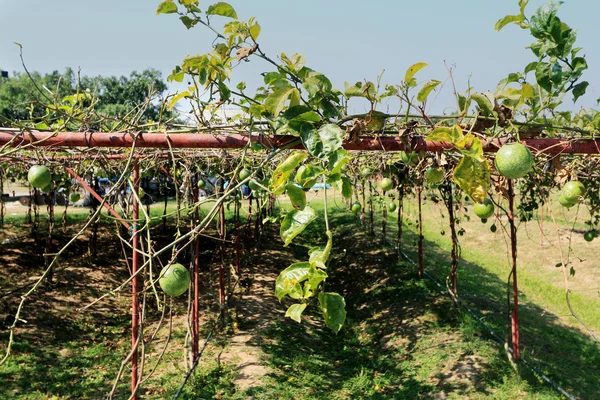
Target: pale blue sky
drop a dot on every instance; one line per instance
(347, 40)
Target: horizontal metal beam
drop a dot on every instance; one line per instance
(236, 141)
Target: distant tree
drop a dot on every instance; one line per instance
(24, 97)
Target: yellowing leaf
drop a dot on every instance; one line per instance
(473, 177)
(426, 89)
(442, 134)
(284, 170)
(222, 9)
(255, 31)
(176, 98)
(295, 311)
(411, 71)
(275, 103)
(291, 276)
(166, 7)
(507, 19)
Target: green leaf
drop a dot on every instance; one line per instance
(463, 103)
(254, 31)
(411, 71)
(359, 89)
(224, 92)
(318, 256)
(346, 188)
(484, 103)
(295, 222)
(188, 22)
(325, 141)
(307, 175)
(176, 98)
(295, 311)
(337, 160)
(542, 76)
(426, 89)
(544, 23)
(275, 103)
(297, 195)
(281, 174)
(579, 90)
(223, 9)
(502, 22)
(333, 307)
(316, 82)
(290, 277)
(315, 277)
(473, 177)
(166, 7)
(530, 67)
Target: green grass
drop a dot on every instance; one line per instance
(550, 337)
(402, 339)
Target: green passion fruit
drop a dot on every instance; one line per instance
(74, 197)
(174, 279)
(391, 206)
(254, 184)
(244, 173)
(566, 202)
(513, 160)
(356, 207)
(484, 210)
(573, 191)
(386, 184)
(589, 236)
(365, 172)
(201, 183)
(39, 176)
(433, 176)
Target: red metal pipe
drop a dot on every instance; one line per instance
(234, 141)
(87, 187)
(135, 284)
(514, 316)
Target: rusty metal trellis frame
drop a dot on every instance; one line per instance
(236, 141)
(551, 146)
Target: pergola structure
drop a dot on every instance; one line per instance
(26, 140)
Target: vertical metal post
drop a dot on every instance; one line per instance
(420, 249)
(454, 252)
(514, 317)
(222, 265)
(400, 212)
(364, 206)
(134, 283)
(195, 338)
(371, 221)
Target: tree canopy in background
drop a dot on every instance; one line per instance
(25, 97)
